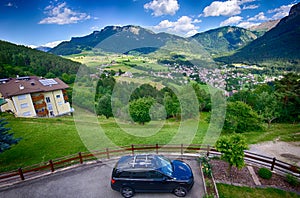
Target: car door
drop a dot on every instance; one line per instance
(140, 182)
(160, 182)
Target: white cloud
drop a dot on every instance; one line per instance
(219, 8)
(281, 12)
(52, 44)
(32, 46)
(259, 17)
(227, 8)
(61, 15)
(247, 24)
(9, 4)
(162, 7)
(250, 7)
(231, 21)
(183, 26)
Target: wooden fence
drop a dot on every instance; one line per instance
(108, 153)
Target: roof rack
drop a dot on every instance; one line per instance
(142, 160)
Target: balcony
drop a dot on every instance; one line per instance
(66, 98)
(37, 98)
(39, 106)
(42, 113)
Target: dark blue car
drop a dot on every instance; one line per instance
(151, 173)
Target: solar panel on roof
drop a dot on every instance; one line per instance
(48, 82)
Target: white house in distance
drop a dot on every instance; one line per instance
(32, 96)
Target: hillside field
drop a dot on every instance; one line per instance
(50, 138)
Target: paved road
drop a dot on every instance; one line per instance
(87, 181)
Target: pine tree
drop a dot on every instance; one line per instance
(6, 138)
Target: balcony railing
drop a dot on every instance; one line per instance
(37, 98)
(42, 113)
(39, 106)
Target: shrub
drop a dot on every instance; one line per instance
(209, 196)
(292, 180)
(265, 173)
(206, 167)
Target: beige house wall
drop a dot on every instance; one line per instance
(23, 106)
(62, 106)
(9, 106)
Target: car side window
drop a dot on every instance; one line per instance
(155, 175)
(125, 174)
(139, 175)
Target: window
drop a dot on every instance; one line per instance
(51, 113)
(57, 96)
(125, 174)
(139, 175)
(24, 105)
(21, 97)
(27, 113)
(50, 107)
(155, 175)
(48, 99)
(59, 103)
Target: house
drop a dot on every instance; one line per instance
(32, 96)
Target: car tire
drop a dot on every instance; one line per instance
(180, 191)
(127, 192)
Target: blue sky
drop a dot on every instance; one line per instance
(48, 22)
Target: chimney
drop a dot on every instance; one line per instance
(21, 87)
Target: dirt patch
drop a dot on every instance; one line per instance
(285, 151)
(243, 177)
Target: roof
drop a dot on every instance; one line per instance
(29, 84)
(141, 161)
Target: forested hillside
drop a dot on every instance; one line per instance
(21, 60)
(280, 44)
(224, 39)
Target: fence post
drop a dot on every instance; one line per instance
(273, 163)
(21, 174)
(208, 149)
(181, 149)
(51, 165)
(132, 149)
(80, 158)
(156, 146)
(107, 153)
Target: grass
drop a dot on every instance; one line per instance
(50, 138)
(229, 191)
(283, 132)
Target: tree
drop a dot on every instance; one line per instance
(172, 105)
(104, 106)
(288, 91)
(240, 118)
(6, 138)
(140, 110)
(267, 106)
(232, 149)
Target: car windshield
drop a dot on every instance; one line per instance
(165, 165)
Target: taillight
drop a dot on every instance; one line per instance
(113, 181)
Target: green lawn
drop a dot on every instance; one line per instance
(50, 138)
(228, 191)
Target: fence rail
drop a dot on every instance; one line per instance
(107, 153)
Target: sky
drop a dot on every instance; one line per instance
(49, 22)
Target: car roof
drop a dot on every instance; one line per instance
(139, 162)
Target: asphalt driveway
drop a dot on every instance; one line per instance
(87, 181)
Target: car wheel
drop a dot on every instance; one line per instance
(180, 191)
(127, 192)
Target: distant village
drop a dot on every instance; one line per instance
(226, 78)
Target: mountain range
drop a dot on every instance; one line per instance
(280, 44)
(270, 41)
(127, 38)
